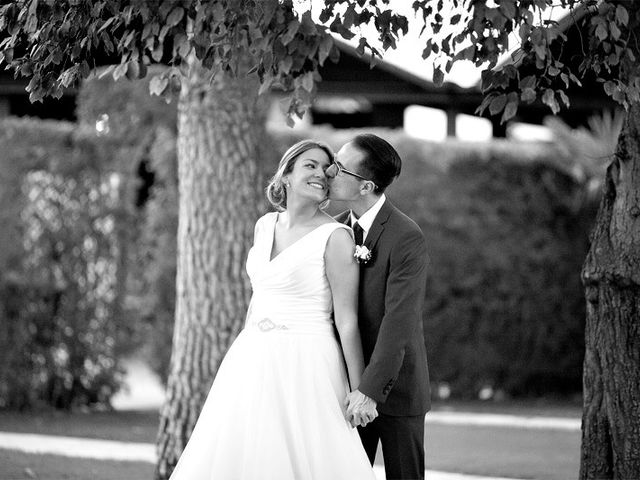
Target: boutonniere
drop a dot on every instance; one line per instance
(362, 254)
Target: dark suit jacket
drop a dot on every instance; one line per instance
(390, 306)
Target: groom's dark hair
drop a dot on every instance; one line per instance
(381, 163)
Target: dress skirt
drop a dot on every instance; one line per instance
(276, 412)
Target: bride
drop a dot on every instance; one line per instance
(277, 407)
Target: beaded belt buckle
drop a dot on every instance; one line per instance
(267, 325)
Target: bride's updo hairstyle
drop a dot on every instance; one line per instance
(276, 189)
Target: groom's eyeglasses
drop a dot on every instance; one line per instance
(340, 169)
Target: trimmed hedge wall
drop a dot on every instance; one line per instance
(63, 253)
(507, 233)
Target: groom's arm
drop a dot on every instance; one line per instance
(404, 299)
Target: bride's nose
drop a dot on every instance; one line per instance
(329, 172)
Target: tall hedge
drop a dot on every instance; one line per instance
(507, 231)
(77, 266)
(506, 226)
(144, 129)
(61, 265)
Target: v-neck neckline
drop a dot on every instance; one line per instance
(273, 239)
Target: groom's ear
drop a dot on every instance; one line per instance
(368, 187)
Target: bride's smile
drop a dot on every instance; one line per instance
(307, 178)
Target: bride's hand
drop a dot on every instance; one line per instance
(361, 409)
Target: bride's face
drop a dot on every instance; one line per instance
(307, 179)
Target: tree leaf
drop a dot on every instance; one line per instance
(285, 64)
(325, 15)
(549, 99)
(615, 31)
(524, 31)
(266, 84)
(120, 71)
(106, 71)
(308, 82)
(528, 95)
(564, 98)
(622, 15)
(133, 70)
(326, 44)
(106, 24)
(527, 82)
(427, 50)
(497, 104)
(601, 31)
(158, 84)
(175, 17)
(609, 87)
(485, 103)
(349, 17)
(157, 52)
(565, 78)
(32, 18)
(508, 7)
(291, 31)
(575, 79)
(510, 110)
(438, 76)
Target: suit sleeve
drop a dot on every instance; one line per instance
(403, 310)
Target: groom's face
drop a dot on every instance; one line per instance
(342, 185)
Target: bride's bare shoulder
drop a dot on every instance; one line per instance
(327, 219)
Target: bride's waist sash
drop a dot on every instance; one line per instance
(275, 324)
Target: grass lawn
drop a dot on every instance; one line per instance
(23, 466)
(506, 452)
(131, 426)
(495, 451)
(142, 426)
(503, 452)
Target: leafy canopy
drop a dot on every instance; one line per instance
(58, 43)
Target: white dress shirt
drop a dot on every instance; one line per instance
(367, 218)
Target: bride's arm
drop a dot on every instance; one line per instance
(343, 275)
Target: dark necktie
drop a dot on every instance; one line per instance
(358, 233)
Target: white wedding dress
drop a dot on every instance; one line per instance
(276, 408)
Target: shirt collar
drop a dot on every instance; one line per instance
(367, 218)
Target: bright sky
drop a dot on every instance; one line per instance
(408, 55)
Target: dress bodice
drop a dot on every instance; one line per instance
(292, 288)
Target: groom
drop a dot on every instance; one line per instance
(395, 383)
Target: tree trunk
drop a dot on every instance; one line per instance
(611, 276)
(220, 126)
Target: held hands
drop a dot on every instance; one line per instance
(361, 409)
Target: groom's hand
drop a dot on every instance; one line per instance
(361, 409)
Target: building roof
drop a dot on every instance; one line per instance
(387, 83)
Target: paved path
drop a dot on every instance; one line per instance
(140, 452)
(504, 421)
(145, 452)
(144, 392)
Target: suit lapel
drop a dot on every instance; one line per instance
(377, 227)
